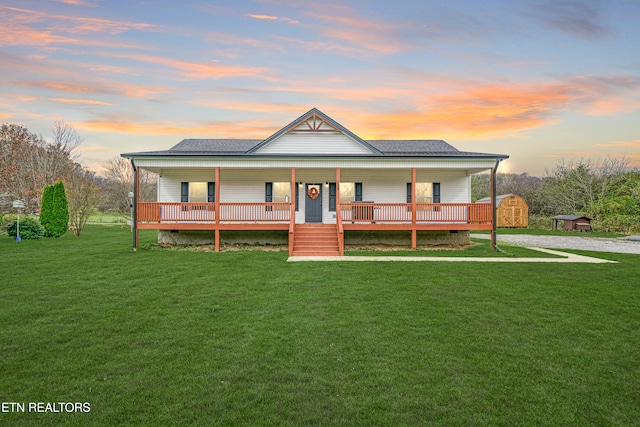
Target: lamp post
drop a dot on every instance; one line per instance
(18, 204)
(130, 195)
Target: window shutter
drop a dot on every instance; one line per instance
(268, 192)
(184, 192)
(332, 197)
(211, 192)
(408, 192)
(297, 196)
(358, 192)
(436, 192)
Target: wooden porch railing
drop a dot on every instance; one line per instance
(379, 213)
(255, 212)
(465, 213)
(170, 212)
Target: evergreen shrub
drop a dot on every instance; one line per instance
(54, 212)
(30, 227)
(46, 206)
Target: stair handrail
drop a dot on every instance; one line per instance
(340, 231)
(292, 228)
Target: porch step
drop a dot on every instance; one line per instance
(316, 240)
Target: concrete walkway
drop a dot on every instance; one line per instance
(567, 257)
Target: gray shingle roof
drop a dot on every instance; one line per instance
(570, 217)
(408, 146)
(215, 146)
(387, 148)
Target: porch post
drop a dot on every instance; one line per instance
(414, 232)
(493, 208)
(136, 196)
(339, 215)
(292, 215)
(337, 191)
(217, 209)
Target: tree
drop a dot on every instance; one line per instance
(55, 211)
(83, 195)
(17, 178)
(46, 208)
(583, 187)
(28, 163)
(119, 182)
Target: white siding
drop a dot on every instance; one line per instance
(169, 181)
(242, 185)
(314, 143)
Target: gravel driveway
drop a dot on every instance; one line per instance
(599, 244)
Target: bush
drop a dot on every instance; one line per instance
(30, 227)
(54, 212)
(542, 222)
(46, 206)
(627, 224)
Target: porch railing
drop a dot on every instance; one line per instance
(255, 212)
(175, 212)
(358, 212)
(464, 213)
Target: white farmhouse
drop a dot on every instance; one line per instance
(316, 186)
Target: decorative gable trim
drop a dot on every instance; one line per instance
(311, 122)
(314, 123)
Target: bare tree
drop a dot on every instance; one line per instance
(83, 196)
(119, 182)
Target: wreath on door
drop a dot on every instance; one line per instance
(313, 193)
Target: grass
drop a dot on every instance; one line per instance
(99, 217)
(479, 248)
(244, 338)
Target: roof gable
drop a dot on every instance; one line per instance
(314, 133)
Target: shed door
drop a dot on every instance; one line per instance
(313, 203)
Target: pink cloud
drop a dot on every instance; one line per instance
(80, 101)
(273, 18)
(198, 70)
(263, 17)
(631, 144)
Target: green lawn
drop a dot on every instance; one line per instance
(99, 217)
(162, 337)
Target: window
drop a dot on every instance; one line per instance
(426, 192)
(279, 192)
(349, 192)
(282, 192)
(198, 192)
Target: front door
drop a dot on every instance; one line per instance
(313, 203)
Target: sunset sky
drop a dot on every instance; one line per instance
(537, 80)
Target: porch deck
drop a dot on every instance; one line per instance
(224, 215)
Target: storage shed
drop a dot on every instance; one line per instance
(572, 222)
(511, 211)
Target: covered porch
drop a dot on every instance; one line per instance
(217, 214)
